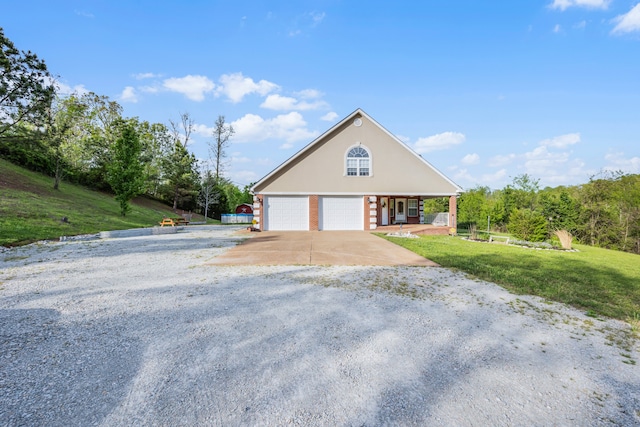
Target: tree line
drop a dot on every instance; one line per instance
(85, 139)
(603, 212)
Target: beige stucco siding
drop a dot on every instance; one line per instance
(321, 169)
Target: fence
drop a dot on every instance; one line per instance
(439, 219)
(236, 218)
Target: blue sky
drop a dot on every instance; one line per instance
(484, 90)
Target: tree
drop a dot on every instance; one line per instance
(26, 87)
(208, 191)
(630, 212)
(181, 174)
(125, 171)
(473, 206)
(182, 135)
(157, 144)
(561, 211)
(64, 118)
(181, 166)
(220, 203)
(598, 214)
(101, 127)
(221, 135)
(234, 195)
(520, 194)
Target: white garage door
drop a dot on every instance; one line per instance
(341, 213)
(286, 213)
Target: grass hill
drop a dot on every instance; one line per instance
(31, 210)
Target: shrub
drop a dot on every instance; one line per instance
(528, 225)
(473, 232)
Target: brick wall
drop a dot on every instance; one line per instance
(313, 212)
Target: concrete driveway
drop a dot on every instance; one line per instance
(319, 248)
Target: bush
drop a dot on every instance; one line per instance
(28, 151)
(525, 224)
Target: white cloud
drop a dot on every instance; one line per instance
(289, 127)
(550, 161)
(203, 130)
(309, 94)
(463, 175)
(628, 22)
(471, 159)
(245, 177)
(286, 103)
(330, 116)
(278, 102)
(129, 95)
(317, 17)
(84, 14)
(236, 86)
(580, 25)
(263, 161)
(561, 141)
(590, 4)
(539, 161)
(64, 89)
(553, 167)
(249, 128)
(618, 161)
(193, 87)
(306, 21)
(143, 76)
(495, 177)
(239, 158)
(441, 141)
(149, 89)
(557, 28)
(501, 160)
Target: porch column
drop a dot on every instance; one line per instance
(373, 213)
(421, 209)
(257, 210)
(453, 210)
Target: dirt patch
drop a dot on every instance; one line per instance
(12, 180)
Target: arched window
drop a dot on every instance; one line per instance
(358, 162)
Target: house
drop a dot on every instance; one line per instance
(355, 176)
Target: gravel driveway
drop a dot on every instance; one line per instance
(141, 331)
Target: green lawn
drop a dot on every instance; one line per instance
(31, 210)
(599, 281)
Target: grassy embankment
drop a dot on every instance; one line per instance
(31, 210)
(599, 281)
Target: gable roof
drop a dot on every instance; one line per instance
(302, 153)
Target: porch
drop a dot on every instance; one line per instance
(406, 212)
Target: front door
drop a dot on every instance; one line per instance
(385, 210)
(401, 210)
